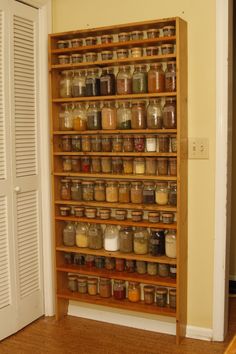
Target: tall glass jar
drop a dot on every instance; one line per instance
(162, 166)
(106, 143)
(141, 240)
(136, 192)
(151, 165)
(65, 84)
(92, 83)
(69, 234)
(82, 235)
(170, 244)
(111, 238)
(109, 115)
(66, 117)
(173, 194)
(124, 81)
(65, 189)
(169, 113)
(99, 191)
(170, 77)
(112, 191)
(86, 143)
(105, 287)
(134, 292)
(85, 164)
(124, 192)
(79, 116)
(154, 114)
(148, 193)
(157, 243)
(106, 164)
(66, 143)
(107, 82)
(139, 165)
(139, 143)
(139, 116)
(156, 78)
(119, 289)
(139, 79)
(76, 190)
(162, 193)
(128, 143)
(96, 143)
(127, 165)
(94, 117)
(78, 83)
(124, 115)
(117, 143)
(95, 237)
(117, 165)
(87, 191)
(76, 143)
(163, 143)
(126, 239)
(75, 164)
(66, 163)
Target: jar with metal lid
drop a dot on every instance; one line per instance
(65, 84)
(139, 79)
(168, 31)
(141, 240)
(66, 163)
(128, 143)
(106, 164)
(136, 192)
(76, 42)
(117, 165)
(139, 165)
(169, 113)
(92, 83)
(136, 215)
(151, 165)
(82, 285)
(119, 289)
(96, 164)
(78, 84)
(149, 294)
(88, 191)
(76, 190)
(150, 51)
(170, 243)
(172, 166)
(172, 298)
(163, 270)
(162, 166)
(66, 143)
(117, 143)
(106, 38)
(123, 37)
(124, 115)
(170, 76)
(106, 143)
(139, 116)
(173, 194)
(156, 78)
(124, 192)
(107, 82)
(86, 143)
(124, 81)
(167, 48)
(91, 41)
(61, 44)
(151, 143)
(167, 218)
(69, 234)
(148, 193)
(122, 53)
(99, 262)
(163, 143)
(152, 268)
(91, 56)
(79, 117)
(68, 257)
(173, 143)
(126, 239)
(105, 214)
(64, 211)
(111, 238)
(141, 267)
(127, 165)
(139, 143)
(120, 214)
(109, 119)
(96, 143)
(75, 164)
(79, 211)
(162, 193)
(85, 164)
(157, 243)
(136, 52)
(95, 236)
(120, 264)
(154, 216)
(65, 189)
(105, 287)
(76, 143)
(154, 114)
(107, 54)
(110, 263)
(173, 271)
(76, 58)
(65, 117)
(161, 297)
(153, 33)
(81, 238)
(92, 286)
(94, 117)
(99, 191)
(112, 191)
(72, 282)
(90, 213)
(89, 260)
(79, 259)
(136, 35)
(134, 292)
(130, 265)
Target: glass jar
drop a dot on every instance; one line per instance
(117, 165)
(110, 263)
(106, 143)
(134, 291)
(157, 243)
(91, 57)
(62, 44)
(172, 166)
(65, 189)
(89, 260)
(169, 113)
(172, 298)
(162, 193)
(105, 214)
(141, 239)
(154, 216)
(94, 117)
(136, 215)
(153, 33)
(136, 52)
(119, 289)
(75, 163)
(173, 271)
(82, 285)
(99, 191)
(124, 81)
(76, 190)
(69, 234)
(76, 143)
(126, 239)
(152, 268)
(76, 58)
(72, 282)
(167, 49)
(161, 297)
(87, 191)
(136, 192)
(173, 194)
(127, 165)
(163, 143)
(65, 117)
(151, 143)
(65, 84)
(163, 270)
(154, 114)
(124, 192)
(90, 213)
(141, 267)
(156, 78)
(173, 143)
(139, 143)
(122, 53)
(91, 41)
(112, 192)
(79, 117)
(120, 214)
(99, 262)
(109, 115)
(96, 143)
(92, 286)
(170, 244)
(162, 166)
(79, 211)
(170, 77)
(149, 294)
(107, 82)
(168, 218)
(95, 237)
(128, 143)
(66, 143)
(66, 163)
(150, 51)
(107, 54)
(138, 117)
(106, 38)
(151, 165)
(139, 165)
(123, 37)
(105, 287)
(81, 237)
(148, 193)
(78, 84)
(106, 164)
(136, 35)
(86, 143)
(130, 266)
(139, 79)
(168, 31)
(78, 259)
(120, 264)
(64, 211)
(85, 164)
(117, 143)
(111, 238)
(124, 115)
(92, 83)
(77, 42)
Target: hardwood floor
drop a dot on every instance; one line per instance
(74, 335)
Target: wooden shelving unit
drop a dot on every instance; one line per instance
(63, 295)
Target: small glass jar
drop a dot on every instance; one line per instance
(136, 52)
(89, 260)
(124, 81)
(61, 44)
(173, 194)
(105, 287)
(106, 143)
(150, 51)
(127, 165)
(78, 259)
(149, 294)
(92, 286)
(123, 37)
(107, 82)
(152, 268)
(105, 214)
(76, 42)
(119, 289)
(139, 116)
(86, 143)
(161, 297)
(111, 238)
(154, 114)
(95, 237)
(124, 192)
(94, 117)
(139, 165)
(154, 216)
(134, 291)
(80, 117)
(120, 264)
(96, 143)
(167, 49)
(112, 191)
(85, 164)
(139, 143)
(151, 165)
(122, 53)
(126, 239)
(141, 267)
(157, 243)
(66, 163)
(64, 211)
(172, 298)
(141, 240)
(172, 166)
(136, 192)
(168, 31)
(92, 83)
(106, 54)
(156, 78)
(173, 271)
(69, 234)
(130, 266)
(169, 113)
(117, 143)
(79, 211)
(136, 35)
(170, 77)
(78, 84)
(76, 190)
(128, 143)
(136, 215)
(81, 238)
(106, 164)
(109, 120)
(65, 117)
(72, 283)
(99, 262)
(163, 270)
(75, 164)
(109, 263)
(91, 41)
(121, 214)
(96, 164)
(151, 143)
(167, 218)
(106, 38)
(163, 143)
(82, 285)
(124, 115)
(162, 166)
(162, 193)
(99, 191)
(91, 213)
(91, 56)
(148, 193)
(117, 165)
(170, 244)
(66, 143)
(76, 143)
(76, 58)
(87, 191)
(153, 33)
(173, 143)
(65, 84)
(65, 189)
(139, 79)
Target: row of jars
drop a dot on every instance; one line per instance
(136, 192)
(135, 115)
(125, 239)
(119, 143)
(121, 265)
(80, 83)
(107, 288)
(165, 31)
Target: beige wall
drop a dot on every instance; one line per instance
(200, 15)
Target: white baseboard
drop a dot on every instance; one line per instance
(199, 333)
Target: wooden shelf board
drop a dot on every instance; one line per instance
(116, 176)
(117, 131)
(144, 154)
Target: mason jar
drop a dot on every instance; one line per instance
(79, 117)
(92, 83)
(66, 143)
(139, 79)
(106, 164)
(69, 234)
(136, 192)
(124, 81)
(78, 84)
(124, 192)
(95, 237)
(148, 193)
(76, 190)
(81, 235)
(99, 191)
(94, 117)
(65, 190)
(162, 193)
(169, 113)
(65, 84)
(139, 117)
(170, 243)
(119, 289)
(76, 143)
(170, 76)
(112, 191)
(126, 239)
(157, 243)
(109, 119)
(156, 78)
(141, 240)
(66, 117)
(111, 238)
(134, 292)
(124, 115)
(87, 191)
(107, 82)
(154, 114)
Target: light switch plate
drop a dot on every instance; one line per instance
(198, 148)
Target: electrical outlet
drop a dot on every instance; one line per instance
(198, 148)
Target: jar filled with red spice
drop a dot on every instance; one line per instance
(156, 78)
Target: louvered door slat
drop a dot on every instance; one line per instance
(2, 110)
(4, 256)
